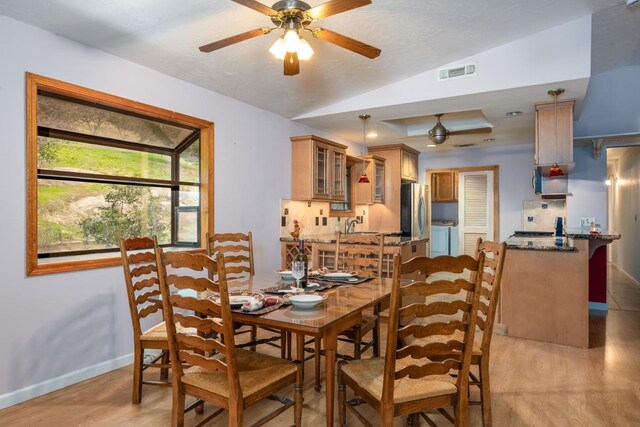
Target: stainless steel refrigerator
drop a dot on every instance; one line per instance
(413, 210)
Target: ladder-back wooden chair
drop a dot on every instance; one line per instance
(141, 280)
(238, 254)
(407, 381)
(228, 377)
(360, 254)
(489, 296)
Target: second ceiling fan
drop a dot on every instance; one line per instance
(293, 17)
(439, 134)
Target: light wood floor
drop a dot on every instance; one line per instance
(533, 384)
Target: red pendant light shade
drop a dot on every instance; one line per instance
(555, 171)
(364, 179)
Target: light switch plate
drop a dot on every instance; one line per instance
(586, 222)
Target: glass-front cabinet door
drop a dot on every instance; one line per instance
(378, 190)
(321, 172)
(339, 176)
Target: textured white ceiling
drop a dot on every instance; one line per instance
(414, 35)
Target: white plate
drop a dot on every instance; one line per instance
(285, 274)
(235, 301)
(306, 300)
(338, 275)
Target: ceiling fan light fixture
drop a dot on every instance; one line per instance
(304, 50)
(291, 41)
(277, 49)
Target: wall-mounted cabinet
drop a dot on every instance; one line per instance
(318, 169)
(409, 161)
(554, 135)
(444, 187)
(372, 192)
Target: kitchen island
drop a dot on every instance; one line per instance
(545, 287)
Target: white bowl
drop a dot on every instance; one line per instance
(285, 274)
(306, 300)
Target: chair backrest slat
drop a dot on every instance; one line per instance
(439, 368)
(427, 310)
(437, 328)
(430, 350)
(360, 254)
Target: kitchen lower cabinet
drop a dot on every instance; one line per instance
(324, 254)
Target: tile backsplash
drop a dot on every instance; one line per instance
(313, 218)
(540, 215)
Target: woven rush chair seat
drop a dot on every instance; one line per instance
(256, 372)
(369, 373)
(159, 332)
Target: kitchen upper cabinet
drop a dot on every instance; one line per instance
(554, 134)
(372, 192)
(444, 187)
(409, 161)
(318, 169)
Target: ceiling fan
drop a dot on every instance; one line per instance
(439, 134)
(294, 16)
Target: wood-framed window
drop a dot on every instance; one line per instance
(101, 167)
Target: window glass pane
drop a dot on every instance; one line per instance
(61, 114)
(187, 230)
(190, 163)
(189, 196)
(75, 216)
(71, 156)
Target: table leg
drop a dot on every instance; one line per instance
(330, 346)
(300, 350)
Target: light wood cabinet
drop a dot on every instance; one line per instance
(444, 187)
(401, 163)
(318, 169)
(372, 192)
(409, 161)
(554, 142)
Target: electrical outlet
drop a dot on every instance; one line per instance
(286, 211)
(529, 219)
(283, 221)
(586, 222)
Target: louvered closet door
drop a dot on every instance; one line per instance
(475, 209)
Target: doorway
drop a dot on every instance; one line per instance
(470, 212)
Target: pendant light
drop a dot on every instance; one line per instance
(364, 179)
(555, 170)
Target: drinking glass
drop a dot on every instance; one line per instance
(297, 271)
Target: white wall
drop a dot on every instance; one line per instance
(56, 324)
(515, 172)
(612, 104)
(586, 182)
(626, 212)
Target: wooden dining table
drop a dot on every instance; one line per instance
(342, 309)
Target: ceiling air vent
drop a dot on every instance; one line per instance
(464, 145)
(464, 70)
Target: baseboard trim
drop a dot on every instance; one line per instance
(53, 384)
(602, 306)
(628, 276)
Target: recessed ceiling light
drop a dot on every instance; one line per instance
(513, 113)
(372, 135)
(431, 145)
(489, 139)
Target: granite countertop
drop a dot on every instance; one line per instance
(540, 244)
(331, 238)
(584, 234)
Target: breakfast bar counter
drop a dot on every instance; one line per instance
(546, 287)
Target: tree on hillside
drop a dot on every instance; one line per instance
(131, 212)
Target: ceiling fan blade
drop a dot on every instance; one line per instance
(334, 7)
(291, 64)
(471, 131)
(347, 43)
(234, 39)
(257, 6)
